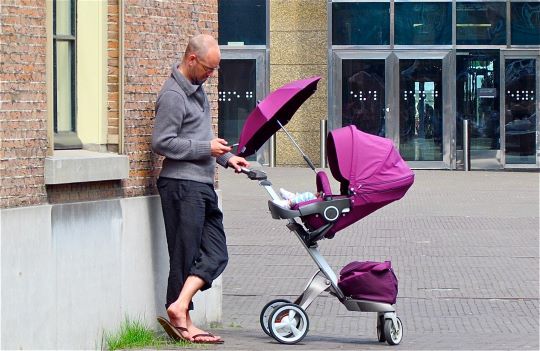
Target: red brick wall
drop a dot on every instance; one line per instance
(112, 75)
(155, 35)
(23, 99)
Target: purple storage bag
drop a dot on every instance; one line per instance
(373, 281)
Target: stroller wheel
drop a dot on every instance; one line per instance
(393, 335)
(267, 310)
(288, 323)
(380, 327)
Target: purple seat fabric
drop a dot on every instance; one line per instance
(323, 185)
(371, 172)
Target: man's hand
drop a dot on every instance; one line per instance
(219, 147)
(237, 163)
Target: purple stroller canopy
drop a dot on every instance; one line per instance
(371, 172)
(357, 159)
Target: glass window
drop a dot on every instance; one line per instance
(420, 109)
(363, 95)
(481, 23)
(366, 23)
(236, 96)
(520, 103)
(242, 21)
(423, 23)
(64, 70)
(64, 121)
(525, 17)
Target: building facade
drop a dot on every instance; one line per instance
(81, 227)
(411, 71)
(82, 238)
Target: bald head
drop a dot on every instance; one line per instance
(200, 44)
(201, 58)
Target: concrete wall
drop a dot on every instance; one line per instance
(71, 271)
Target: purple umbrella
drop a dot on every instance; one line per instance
(279, 106)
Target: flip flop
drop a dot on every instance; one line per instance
(195, 341)
(173, 331)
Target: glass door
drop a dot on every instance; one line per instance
(361, 85)
(420, 107)
(424, 105)
(241, 83)
(520, 103)
(477, 100)
(363, 95)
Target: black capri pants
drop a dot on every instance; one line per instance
(195, 234)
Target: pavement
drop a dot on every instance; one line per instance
(464, 246)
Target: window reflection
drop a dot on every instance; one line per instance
(420, 110)
(520, 114)
(481, 23)
(477, 98)
(360, 23)
(423, 23)
(64, 87)
(525, 18)
(242, 21)
(363, 95)
(236, 96)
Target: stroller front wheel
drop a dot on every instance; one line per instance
(392, 334)
(288, 323)
(267, 310)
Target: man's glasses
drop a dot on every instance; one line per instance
(206, 68)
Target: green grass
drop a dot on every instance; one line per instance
(136, 334)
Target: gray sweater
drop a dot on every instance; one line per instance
(183, 131)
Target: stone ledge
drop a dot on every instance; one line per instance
(77, 166)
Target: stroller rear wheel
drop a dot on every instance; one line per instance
(392, 334)
(288, 323)
(380, 327)
(267, 310)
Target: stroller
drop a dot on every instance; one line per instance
(371, 174)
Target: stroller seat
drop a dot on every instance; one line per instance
(325, 209)
(368, 181)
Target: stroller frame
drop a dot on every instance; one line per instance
(296, 325)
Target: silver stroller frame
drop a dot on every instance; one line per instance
(287, 322)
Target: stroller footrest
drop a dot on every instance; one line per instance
(279, 212)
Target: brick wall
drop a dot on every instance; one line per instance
(155, 35)
(113, 75)
(23, 99)
(91, 191)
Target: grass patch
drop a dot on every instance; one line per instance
(137, 334)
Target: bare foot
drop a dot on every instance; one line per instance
(193, 331)
(178, 317)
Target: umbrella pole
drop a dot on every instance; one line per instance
(306, 158)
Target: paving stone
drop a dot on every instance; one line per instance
(464, 246)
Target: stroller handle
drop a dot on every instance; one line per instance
(254, 174)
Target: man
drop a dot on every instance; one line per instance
(193, 222)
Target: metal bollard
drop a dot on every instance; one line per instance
(272, 151)
(466, 146)
(323, 131)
